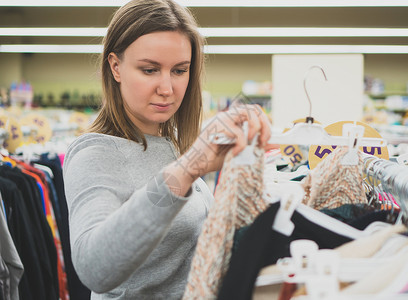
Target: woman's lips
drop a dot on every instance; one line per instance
(161, 106)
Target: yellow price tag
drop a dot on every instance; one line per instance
(15, 136)
(40, 127)
(317, 152)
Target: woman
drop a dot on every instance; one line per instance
(133, 187)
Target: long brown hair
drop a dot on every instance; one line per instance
(131, 21)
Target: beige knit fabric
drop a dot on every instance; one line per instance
(332, 184)
(238, 200)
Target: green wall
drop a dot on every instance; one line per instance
(225, 74)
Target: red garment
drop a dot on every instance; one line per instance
(287, 291)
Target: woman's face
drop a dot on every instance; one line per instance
(153, 75)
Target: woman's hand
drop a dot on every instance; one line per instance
(204, 156)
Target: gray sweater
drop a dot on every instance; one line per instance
(131, 237)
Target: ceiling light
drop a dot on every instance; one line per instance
(215, 3)
(225, 49)
(48, 31)
(306, 49)
(221, 31)
(51, 48)
(64, 3)
(302, 32)
(291, 3)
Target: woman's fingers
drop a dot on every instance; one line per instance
(257, 122)
(240, 139)
(230, 124)
(254, 121)
(266, 131)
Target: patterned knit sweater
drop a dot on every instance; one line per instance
(332, 184)
(238, 201)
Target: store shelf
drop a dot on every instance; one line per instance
(393, 134)
(387, 94)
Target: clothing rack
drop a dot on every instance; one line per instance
(392, 176)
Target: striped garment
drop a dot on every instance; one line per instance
(238, 201)
(331, 184)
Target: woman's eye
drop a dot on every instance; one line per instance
(180, 71)
(149, 71)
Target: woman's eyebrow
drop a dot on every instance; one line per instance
(187, 62)
(150, 61)
(153, 62)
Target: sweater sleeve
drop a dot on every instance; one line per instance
(113, 226)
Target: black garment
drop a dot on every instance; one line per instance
(380, 215)
(40, 229)
(262, 246)
(32, 285)
(238, 235)
(348, 212)
(360, 216)
(53, 198)
(77, 290)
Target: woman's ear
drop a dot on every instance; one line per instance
(114, 65)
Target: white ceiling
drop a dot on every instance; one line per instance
(237, 17)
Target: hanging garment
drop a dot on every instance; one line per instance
(238, 200)
(332, 184)
(262, 246)
(39, 230)
(32, 285)
(349, 212)
(77, 290)
(387, 280)
(383, 243)
(51, 219)
(10, 263)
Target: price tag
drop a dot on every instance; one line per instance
(318, 153)
(15, 136)
(40, 128)
(81, 119)
(294, 153)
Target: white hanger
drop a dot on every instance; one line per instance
(355, 134)
(44, 169)
(314, 134)
(403, 159)
(318, 269)
(289, 201)
(307, 133)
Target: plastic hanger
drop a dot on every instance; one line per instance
(289, 201)
(403, 159)
(303, 260)
(314, 134)
(355, 133)
(320, 218)
(321, 270)
(390, 178)
(317, 269)
(44, 169)
(308, 133)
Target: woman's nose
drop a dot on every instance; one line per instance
(165, 87)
